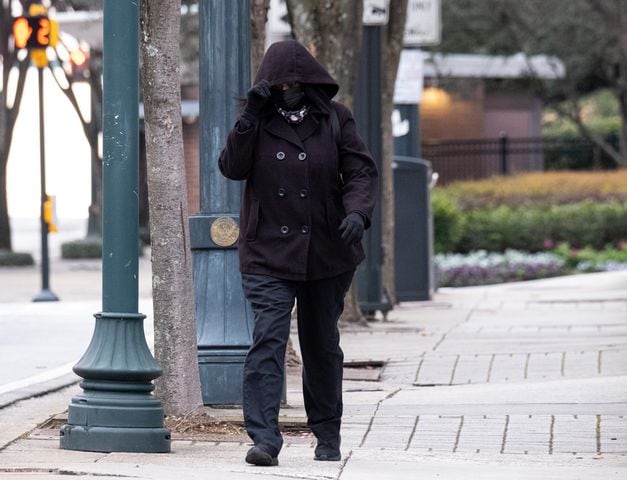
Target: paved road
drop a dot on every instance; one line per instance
(519, 381)
(44, 340)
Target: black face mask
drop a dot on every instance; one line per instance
(290, 98)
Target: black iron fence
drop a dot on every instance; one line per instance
(476, 159)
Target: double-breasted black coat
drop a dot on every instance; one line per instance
(301, 181)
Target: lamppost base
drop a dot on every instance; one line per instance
(115, 417)
(221, 375)
(115, 439)
(45, 295)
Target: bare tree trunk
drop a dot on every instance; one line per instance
(258, 19)
(8, 117)
(173, 292)
(391, 52)
(332, 32)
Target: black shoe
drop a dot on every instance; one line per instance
(261, 458)
(327, 453)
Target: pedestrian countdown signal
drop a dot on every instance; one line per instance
(35, 32)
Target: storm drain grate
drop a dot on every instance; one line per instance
(363, 370)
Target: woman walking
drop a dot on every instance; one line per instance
(311, 187)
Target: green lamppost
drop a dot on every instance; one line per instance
(117, 411)
(223, 317)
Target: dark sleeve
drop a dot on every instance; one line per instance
(360, 189)
(237, 157)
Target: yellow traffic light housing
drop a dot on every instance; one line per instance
(50, 214)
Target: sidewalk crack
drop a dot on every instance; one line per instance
(390, 395)
(505, 434)
(490, 368)
(598, 434)
(413, 432)
(459, 433)
(339, 474)
(551, 434)
(453, 372)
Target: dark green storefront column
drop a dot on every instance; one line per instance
(224, 320)
(117, 411)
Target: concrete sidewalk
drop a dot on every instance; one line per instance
(516, 381)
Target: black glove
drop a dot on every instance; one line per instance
(257, 97)
(352, 228)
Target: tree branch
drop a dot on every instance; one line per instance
(574, 115)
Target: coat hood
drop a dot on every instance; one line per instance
(288, 61)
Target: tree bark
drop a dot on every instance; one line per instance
(332, 32)
(258, 19)
(391, 51)
(8, 117)
(173, 301)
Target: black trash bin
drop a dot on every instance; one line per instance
(413, 217)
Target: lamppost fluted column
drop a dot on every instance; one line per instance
(224, 321)
(117, 411)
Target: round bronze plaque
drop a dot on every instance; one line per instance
(224, 231)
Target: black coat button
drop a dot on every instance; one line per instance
(305, 229)
(284, 229)
(281, 192)
(303, 193)
(280, 155)
(302, 156)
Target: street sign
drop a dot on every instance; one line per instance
(375, 12)
(423, 26)
(409, 78)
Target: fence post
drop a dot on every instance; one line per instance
(504, 147)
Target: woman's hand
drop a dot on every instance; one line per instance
(352, 228)
(257, 97)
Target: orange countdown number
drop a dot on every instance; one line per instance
(33, 32)
(43, 32)
(21, 32)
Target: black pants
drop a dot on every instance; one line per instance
(320, 304)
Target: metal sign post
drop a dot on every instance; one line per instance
(368, 115)
(223, 317)
(117, 412)
(45, 295)
(36, 32)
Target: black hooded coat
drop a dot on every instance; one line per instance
(301, 182)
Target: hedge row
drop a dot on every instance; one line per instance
(550, 188)
(529, 228)
(15, 259)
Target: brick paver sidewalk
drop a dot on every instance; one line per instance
(511, 382)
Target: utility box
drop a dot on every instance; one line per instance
(413, 217)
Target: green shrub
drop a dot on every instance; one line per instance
(89, 248)
(15, 259)
(448, 222)
(589, 259)
(535, 228)
(84, 248)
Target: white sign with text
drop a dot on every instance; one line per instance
(375, 12)
(424, 26)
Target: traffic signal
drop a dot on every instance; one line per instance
(35, 32)
(50, 214)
